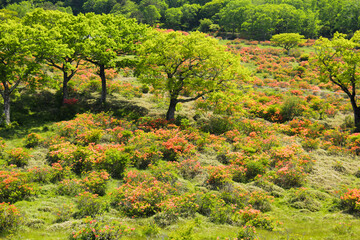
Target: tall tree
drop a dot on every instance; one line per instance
(63, 50)
(111, 39)
(17, 63)
(339, 61)
(194, 63)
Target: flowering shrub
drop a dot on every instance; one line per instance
(58, 172)
(175, 147)
(260, 201)
(219, 176)
(62, 153)
(148, 124)
(189, 168)
(18, 156)
(351, 200)
(290, 176)
(247, 232)
(15, 186)
(40, 174)
(94, 229)
(140, 197)
(183, 206)
(10, 217)
(70, 101)
(33, 140)
(90, 204)
(95, 182)
(255, 218)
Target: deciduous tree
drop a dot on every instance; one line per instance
(287, 40)
(111, 38)
(17, 62)
(179, 63)
(339, 61)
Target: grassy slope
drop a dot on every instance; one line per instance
(297, 223)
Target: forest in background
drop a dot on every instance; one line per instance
(251, 19)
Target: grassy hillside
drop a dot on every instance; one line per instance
(278, 161)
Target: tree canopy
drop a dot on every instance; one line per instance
(17, 62)
(186, 66)
(287, 40)
(339, 61)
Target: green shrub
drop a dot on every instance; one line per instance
(151, 229)
(40, 174)
(10, 217)
(70, 187)
(116, 162)
(254, 168)
(64, 212)
(217, 125)
(2, 147)
(184, 233)
(90, 204)
(291, 108)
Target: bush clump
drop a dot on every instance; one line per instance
(18, 156)
(33, 140)
(95, 229)
(90, 204)
(10, 217)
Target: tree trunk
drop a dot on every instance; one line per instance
(170, 115)
(7, 108)
(65, 87)
(356, 110)
(103, 84)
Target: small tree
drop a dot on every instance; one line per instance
(17, 64)
(194, 63)
(63, 42)
(339, 61)
(287, 40)
(111, 37)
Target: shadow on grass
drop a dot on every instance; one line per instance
(31, 111)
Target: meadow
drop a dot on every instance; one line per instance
(275, 158)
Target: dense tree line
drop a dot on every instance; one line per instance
(186, 66)
(52, 39)
(253, 19)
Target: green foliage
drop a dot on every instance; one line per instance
(33, 140)
(89, 204)
(63, 212)
(186, 63)
(15, 186)
(287, 40)
(338, 60)
(247, 232)
(96, 229)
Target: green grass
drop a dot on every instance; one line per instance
(39, 220)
